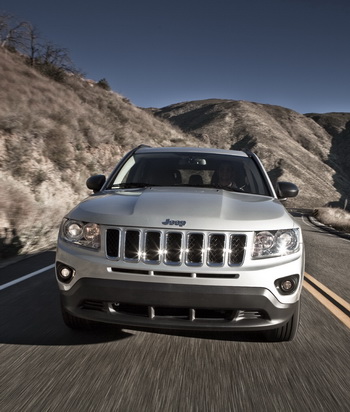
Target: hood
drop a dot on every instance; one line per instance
(186, 208)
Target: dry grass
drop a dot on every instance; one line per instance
(337, 218)
(292, 146)
(53, 136)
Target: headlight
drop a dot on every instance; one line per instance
(80, 233)
(275, 243)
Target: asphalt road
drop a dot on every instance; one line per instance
(44, 366)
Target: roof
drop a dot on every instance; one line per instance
(147, 149)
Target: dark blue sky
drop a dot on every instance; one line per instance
(292, 53)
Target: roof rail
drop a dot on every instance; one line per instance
(248, 152)
(141, 146)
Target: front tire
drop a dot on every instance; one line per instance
(73, 322)
(288, 331)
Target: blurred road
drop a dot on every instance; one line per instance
(47, 367)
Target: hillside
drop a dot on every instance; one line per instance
(53, 136)
(309, 150)
(338, 126)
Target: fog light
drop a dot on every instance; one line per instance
(64, 273)
(287, 285)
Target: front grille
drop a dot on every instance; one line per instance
(195, 249)
(152, 249)
(216, 248)
(113, 237)
(174, 248)
(132, 244)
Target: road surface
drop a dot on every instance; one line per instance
(47, 367)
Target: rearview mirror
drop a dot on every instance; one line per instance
(96, 182)
(286, 189)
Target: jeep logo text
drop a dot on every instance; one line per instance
(179, 223)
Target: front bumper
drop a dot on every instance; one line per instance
(176, 306)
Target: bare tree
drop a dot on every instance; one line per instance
(13, 33)
(33, 44)
(5, 23)
(55, 55)
(23, 37)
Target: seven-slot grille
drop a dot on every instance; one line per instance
(175, 247)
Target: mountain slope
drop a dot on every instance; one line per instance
(292, 146)
(53, 136)
(338, 126)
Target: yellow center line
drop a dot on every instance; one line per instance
(343, 317)
(337, 298)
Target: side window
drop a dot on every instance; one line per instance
(256, 181)
(122, 176)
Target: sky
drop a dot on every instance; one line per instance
(291, 53)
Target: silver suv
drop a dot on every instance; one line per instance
(183, 238)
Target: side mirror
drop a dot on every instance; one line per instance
(96, 182)
(286, 189)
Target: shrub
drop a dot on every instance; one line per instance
(39, 177)
(58, 74)
(57, 148)
(103, 84)
(335, 217)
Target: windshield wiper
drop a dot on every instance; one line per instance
(228, 188)
(131, 185)
(137, 185)
(204, 185)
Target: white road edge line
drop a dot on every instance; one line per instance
(305, 221)
(320, 230)
(30, 275)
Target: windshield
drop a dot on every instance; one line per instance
(233, 173)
